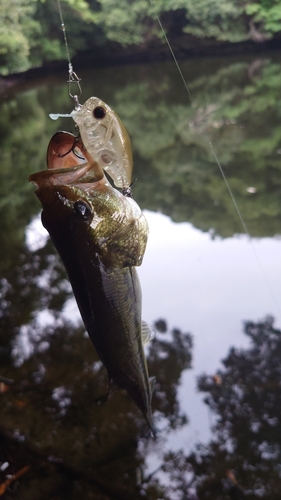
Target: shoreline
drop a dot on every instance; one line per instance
(112, 54)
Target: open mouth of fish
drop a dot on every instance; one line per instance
(68, 163)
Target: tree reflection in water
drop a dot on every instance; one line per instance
(243, 458)
(76, 449)
(50, 375)
(49, 421)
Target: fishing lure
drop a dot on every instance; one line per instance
(106, 139)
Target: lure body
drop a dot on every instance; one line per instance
(106, 140)
(100, 235)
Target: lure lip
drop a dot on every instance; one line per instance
(56, 116)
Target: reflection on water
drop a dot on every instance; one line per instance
(49, 372)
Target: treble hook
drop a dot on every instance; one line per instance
(127, 191)
(74, 79)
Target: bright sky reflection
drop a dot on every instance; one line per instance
(208, 288)
(205, 287)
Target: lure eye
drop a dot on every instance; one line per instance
(83, 210)
(99, 112)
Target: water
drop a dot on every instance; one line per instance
(201, 275)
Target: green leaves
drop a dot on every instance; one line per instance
(222, 20)
(30, 30)
(16, 27)
(125, 22)
(267, 13)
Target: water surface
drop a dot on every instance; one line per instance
(212, 292)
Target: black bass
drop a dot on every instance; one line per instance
(101, 236)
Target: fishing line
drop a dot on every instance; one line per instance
(65, 37)
(172, 53)
(209, 142)
(203, 135)
(245, 228)
(73, 78)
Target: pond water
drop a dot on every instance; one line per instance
(212, 292)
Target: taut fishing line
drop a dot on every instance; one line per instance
(209, 142)
(74, 79)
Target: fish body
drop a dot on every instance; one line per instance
(100, 235)
(106, 140)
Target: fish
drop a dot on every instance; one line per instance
(105, 138)
(100, 235)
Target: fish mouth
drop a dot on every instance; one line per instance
(68, 163)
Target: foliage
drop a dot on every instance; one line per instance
(50, 373)
(245, 396)
(222, 20)
(243, 458)
(48, 422)
(16, 29)
(125, 22)
(230, 106)
(267, 13)
(30, 30)
(48, 45)
(50, 376)
(25, 129)
(235, 105)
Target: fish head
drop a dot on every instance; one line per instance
(106, 139)
(79, 202)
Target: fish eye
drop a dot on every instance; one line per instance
(99, 112)
(83, 210)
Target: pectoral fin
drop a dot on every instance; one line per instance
(147, 332)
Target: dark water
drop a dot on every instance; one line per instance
(210, 291)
